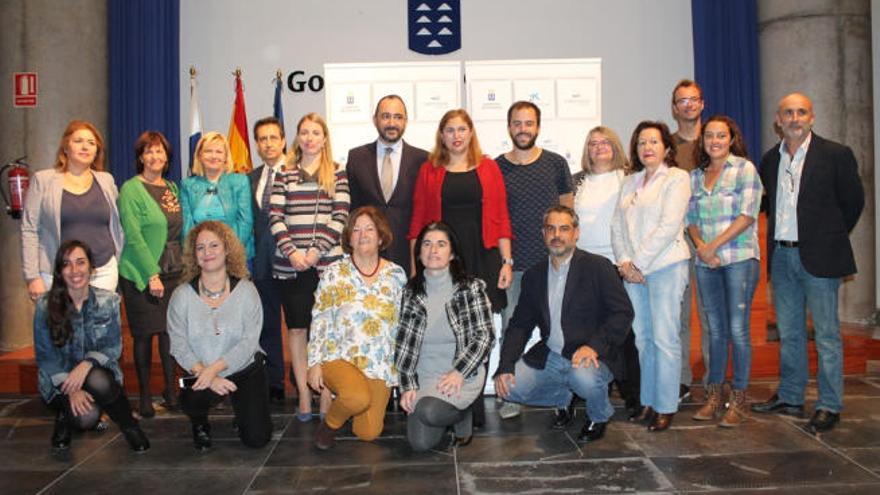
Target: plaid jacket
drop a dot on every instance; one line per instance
(470, 317)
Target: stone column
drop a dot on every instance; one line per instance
(66, 44)
(822, 48)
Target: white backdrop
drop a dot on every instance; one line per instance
(645, 47)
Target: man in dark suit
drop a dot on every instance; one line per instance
(269, 135)
(383, 174)
(579, 304)
(815, 198)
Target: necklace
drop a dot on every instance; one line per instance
(366, 275)
(212, 295)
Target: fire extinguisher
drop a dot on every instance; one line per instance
(18, 179)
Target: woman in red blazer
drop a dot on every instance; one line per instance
(463, 188)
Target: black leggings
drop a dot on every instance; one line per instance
(427, 424)
(101, 384)
(250, 402)
(143, 358)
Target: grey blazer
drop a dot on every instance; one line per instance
(41, 221)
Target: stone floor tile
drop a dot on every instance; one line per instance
(761, 470)
(584, 476)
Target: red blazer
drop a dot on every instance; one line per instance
(427, 208)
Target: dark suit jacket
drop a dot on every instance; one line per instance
(828, 206)
(596, 311)
(264, 242)
(363, 181)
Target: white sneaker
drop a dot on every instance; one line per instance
(509, 410)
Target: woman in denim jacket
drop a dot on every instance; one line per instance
(77, 342)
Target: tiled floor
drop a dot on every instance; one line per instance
(769, 453)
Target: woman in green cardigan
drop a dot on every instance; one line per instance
(150, 265)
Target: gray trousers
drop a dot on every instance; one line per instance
(426, 426)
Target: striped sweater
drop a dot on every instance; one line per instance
(297, 222)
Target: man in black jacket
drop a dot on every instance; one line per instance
(383, 174)
(815, 198)
(579, 304)
(269, 135)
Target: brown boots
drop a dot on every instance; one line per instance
(735, 413)
(712, 408)
(737, 410)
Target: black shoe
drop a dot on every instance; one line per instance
(136, 439)
(145, 407)
(645, 414)
(276, 395)
(479, 420)
(821, 421)
(170, 401)
(592, 432)
(61, 433)
(202, 436)
(562, 417)
(462, 441)
(684, 393)
(774, 405)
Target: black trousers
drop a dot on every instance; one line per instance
(270, 337)
(250, 402)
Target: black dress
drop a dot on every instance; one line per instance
(147, 313)
(462, 208)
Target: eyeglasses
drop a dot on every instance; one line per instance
(599, 144)
(690, 99)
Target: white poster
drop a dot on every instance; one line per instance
(427, 89)
(568, 92)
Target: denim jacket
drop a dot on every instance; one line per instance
(96, 337)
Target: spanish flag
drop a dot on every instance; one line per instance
(238, 131)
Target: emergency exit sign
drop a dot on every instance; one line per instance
(24, 89)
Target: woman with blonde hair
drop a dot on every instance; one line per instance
(214, 321)
(214, 192)
(597, 187)
(75, 199)
(604, 167)
(308, 211)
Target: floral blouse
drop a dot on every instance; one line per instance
(355, 321)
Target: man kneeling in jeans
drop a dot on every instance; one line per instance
(578, 302)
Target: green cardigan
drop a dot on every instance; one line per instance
(146, 231)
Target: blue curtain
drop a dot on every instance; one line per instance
(726, 64)
(144, 38)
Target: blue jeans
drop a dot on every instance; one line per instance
(657, 306)
(792, 288)
(727, 293)
(553, 386)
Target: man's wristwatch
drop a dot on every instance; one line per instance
(507, 261)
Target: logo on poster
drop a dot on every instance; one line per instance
(491, 95)
(434, 26)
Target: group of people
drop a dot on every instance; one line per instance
(388, 272)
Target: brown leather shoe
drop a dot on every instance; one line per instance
(661, 422)
(737, 410)
(325, 437)
(712, 407)
(644, 415)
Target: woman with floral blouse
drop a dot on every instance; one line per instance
(354, 320)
